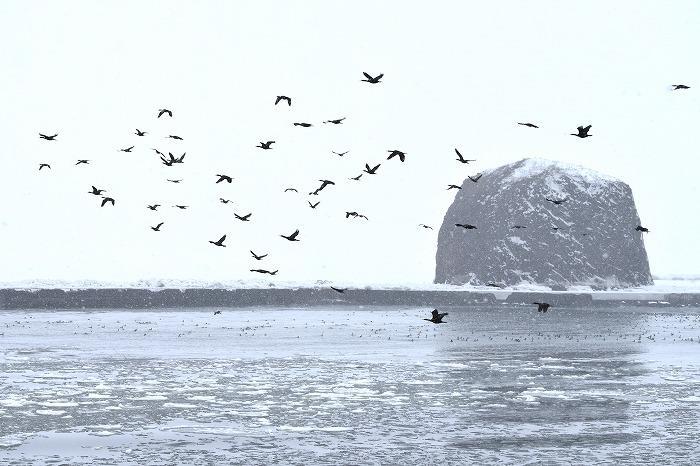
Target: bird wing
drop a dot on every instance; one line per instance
(367, 75)
(587, 128)
(221, 240)
(295, 234)
(380, 76)
(277, 100)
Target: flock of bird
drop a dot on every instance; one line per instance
(170, 159)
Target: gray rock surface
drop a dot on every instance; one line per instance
(590, 239)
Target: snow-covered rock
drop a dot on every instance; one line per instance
(589, 239)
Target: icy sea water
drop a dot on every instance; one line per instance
(348, 385)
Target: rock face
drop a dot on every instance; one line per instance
(589, 239)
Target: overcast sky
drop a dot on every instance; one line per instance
(457, 74)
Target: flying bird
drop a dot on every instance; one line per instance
(217, 312)
(313, 206)
(48, 138)
(677, 87)
(325, 183)
(475, 178)
(371, 171)
(427, 227)
(291, 190)
(642, 229)
(42, 165)
(174, 136)
(292, 237)
(372, 80)
(105, 200)
(82, 161)
(466, 226)
(453, 186)
(557, 201)
(394, 153)
(220, 242)
(339, 290)
(335, 122)
(225, 178)
(174, 181)
(303, 125)
(140, 133)
(462, 159)
(355, 215)
(258, 257)
(517, 227)
(356, 178)
(542, 307)
(265, 145)
(529, 125)
(437, 317)
(274, 272)
(128, 149)
(243, 218)
(583, 132)
(285, 98)
(153, 207)
(163, 111)
(96, 192)
(181, 207)
(224, 201)
(340, 154)
(158, 152)
(157, 227)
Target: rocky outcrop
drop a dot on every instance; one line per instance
(520, 236)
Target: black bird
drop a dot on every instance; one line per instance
(340, 154)
(291, 189)
(174, 136)
(174, 181)
(42, 165)
(393, 153)
(677, 87)
(355, 215)
(217, 312)
(453, 186)
(274, 272)
(495, 285)
(339, 290)
(166, 162)
(466, 226)
(557, 201)
(292, 237)
(371, 171)
(265, 145)
(356, 178)
(96, 192)
(153, 207)
(542, 307)
(258, 257)
(140, 133)
(335, 122)
(475, 178)
(163, 111)
(642, 229)
(427, 227)
(48, 138)
(82, 161)
(157, 227)
(105, 200)
(462, 159)
(283, 97)
(437, 317)
(303, 125)
(372, 80)
(180, 159)
(529, 125)
(224, 201)
(225, 178)
(583, 132)
(158, 152)
(517, 227)
(181, 207)
(325, 183)
(220, 242)
(243, 218)
(128, 149)
(313, 206)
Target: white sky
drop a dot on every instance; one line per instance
(457, 74)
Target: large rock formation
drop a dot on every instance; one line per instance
(589, 239)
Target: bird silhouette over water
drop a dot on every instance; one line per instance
(466, 226)
(339, 121)
(437, 317)
(220, 242)
(529, 125)
(372, 80)
(48, 138)
(583, 132)
(280, 98)
(292, 237)
(164, 111)
(339, 290)
(393, 153)
(475, 178)
(82, 162)
(340, 154)
(265, 145)
(243, 218)
(157, 227)
(557, 201)
(462, 159)
(140, 133)
(105, 200)
(517, 227)
(542, 307)
(677, 87)
(225, 178)
(258, 257)
(453, 186)
(216, 313)
(42, 165)
(642, 229)
(128, 149)
(274, 272)
(371, 171)
(96, 192)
